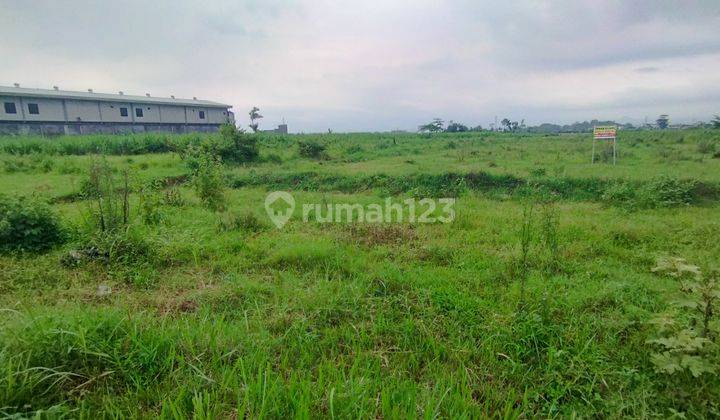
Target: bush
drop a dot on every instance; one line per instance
(247, 222)
(668, 192)
(272, 158)
(28, 224)
(209, 183)
(620, 194)
(312, 150)
(706, 147)
(235, 146)
(231, 146)
(109, 207)
(660, 192)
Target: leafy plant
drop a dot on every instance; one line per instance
(151, 206)
(312, 149)
(230, 146)
(109, 204)
(686, 340)
(28, 224)
(209, 182)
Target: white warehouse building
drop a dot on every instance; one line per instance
(54, 111)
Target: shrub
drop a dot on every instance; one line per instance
(209, 183)
(272, 158)
(235, 146)
(109, 204)
(620, 194)
(353, 149)
(151, 207)
(173, 197)
(706, 147)
(659, 192)
(28, 224)
(230, 146)
(247, 222)
(311, 149)
(668, 192)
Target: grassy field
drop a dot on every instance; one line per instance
(538, 300)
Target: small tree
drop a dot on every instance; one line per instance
(509, 125)
(454, 127)
(716, 121)
(255, 118)
(663, 121)
(436, 125)
(505, 123)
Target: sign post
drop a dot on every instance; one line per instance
(606, 132)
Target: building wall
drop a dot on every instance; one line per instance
(193, 115)
(217, 116)
(78, 111)
(48, 109)
(110, 112)
(151, 113)
(58, 128)
(172, 114)
(10, 117)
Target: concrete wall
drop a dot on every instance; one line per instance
(18, 116)
(217, 116)
(151, 113)
(172, 114)
(111, 112)
(193, 115)
(48, 128)
(78, 111)
(49, 109)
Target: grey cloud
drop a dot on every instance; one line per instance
(647, 69)
(378, 64)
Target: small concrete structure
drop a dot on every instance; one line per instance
(281, 129)
(54, 111)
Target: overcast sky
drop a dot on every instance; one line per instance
(376, 65)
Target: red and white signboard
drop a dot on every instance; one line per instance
(606, 132)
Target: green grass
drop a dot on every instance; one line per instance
(211, 319)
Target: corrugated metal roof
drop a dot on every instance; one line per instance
(67, 94)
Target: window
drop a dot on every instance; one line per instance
(201, 114)
(10, 108)
(138, 112)
(123, 111)
(33, 109)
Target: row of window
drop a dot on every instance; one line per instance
(10, 108)
(34, 109)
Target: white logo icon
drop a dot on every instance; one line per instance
(279, 213)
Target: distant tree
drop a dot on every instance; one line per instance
(254, 118)
(436, 125)
(716, 121)
(477, 128)
(663, 121)
(506, 123)
(454, 127)
(510, 125)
